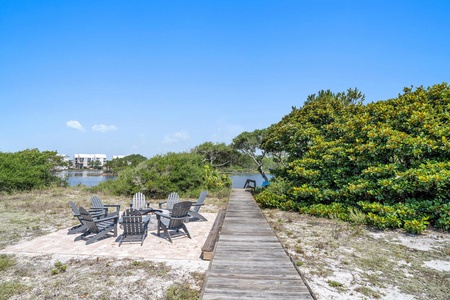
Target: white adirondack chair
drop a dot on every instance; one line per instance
(139, 201)
(171, 200)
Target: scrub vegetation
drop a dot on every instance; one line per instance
(340, 260)
(386, 164)
(29, 169)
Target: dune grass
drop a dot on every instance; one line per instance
(343, 261)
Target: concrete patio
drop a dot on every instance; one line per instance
(183, 250)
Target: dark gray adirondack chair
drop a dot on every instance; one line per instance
(174, 221)
(76, 213)
(97, 228)
(134, 226)
(196, 207)
(97, 204)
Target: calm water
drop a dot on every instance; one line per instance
(92, 178)
(238, 181)
(85, 177)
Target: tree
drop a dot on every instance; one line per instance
(118, 164)
(352, 96)
(28, 169)
(95, 164)
(292, 137)
(217, 155)
(249, 143)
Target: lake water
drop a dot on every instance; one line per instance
(84, 177)
(93, 178)
(238, 180)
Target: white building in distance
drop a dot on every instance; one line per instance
(86, 160)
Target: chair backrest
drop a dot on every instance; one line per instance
(88, 220)
(180, 210)
(200, 200)
(132, 222)
(96, 202)
(132, 212)
(76, 211)
(171, 200)
(139, 201)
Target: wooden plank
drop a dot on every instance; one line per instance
(249, 261)
(211, 240)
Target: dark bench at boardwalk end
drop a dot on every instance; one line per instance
(250, 184)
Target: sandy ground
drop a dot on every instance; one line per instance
(326, 249)
(183, 251)
(342, 262)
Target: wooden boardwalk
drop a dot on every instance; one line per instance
(249, 261)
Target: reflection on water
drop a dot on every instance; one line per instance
(93, 178)
(84, 177)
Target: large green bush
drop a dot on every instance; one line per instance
(28, 169)
(387, 152)
(185, 173)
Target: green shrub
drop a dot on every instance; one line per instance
(185, 173)
(269, 200)
(29, 169)
(416, 226)
(335, 284)
(59, 268)
(383, 222)
(181, 292)
(214, 181)
(6, 262)
(392, 153)
(443, 216)
(356, 216)
(10, 288)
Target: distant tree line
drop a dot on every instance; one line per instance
(203, 167)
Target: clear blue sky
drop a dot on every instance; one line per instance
(149, 77)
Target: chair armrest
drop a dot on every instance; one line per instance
(179, 218)
(146, 219)
(107, 218)
(198, 204)
(161, 204)
(117, 206)
(161, 214)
